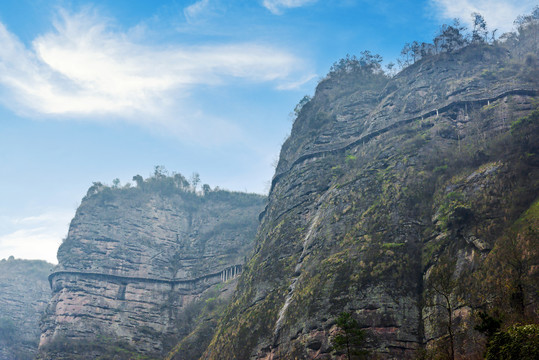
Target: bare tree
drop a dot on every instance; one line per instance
(441, 288)
(479, 32)
(195, 180)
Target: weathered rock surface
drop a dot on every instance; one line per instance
(24, 294)
(380, 183)
(134, 261)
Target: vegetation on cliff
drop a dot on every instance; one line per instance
(160, 182)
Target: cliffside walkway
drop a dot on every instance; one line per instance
(398, 123)
(221, 276)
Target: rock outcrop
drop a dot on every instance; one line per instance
(24, 294)
(135, 264)
(388, 197)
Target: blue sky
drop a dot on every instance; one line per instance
(92, 91)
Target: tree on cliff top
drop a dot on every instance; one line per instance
(479, 32)
(367, 63)
(450, 37)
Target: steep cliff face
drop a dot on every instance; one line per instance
(135, 264)
(384, 187)
(24, 295)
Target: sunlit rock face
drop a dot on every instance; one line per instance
(24, 294)
(136, 262)
(384, 184)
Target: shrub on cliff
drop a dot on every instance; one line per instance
(524, 132)
(516, 343)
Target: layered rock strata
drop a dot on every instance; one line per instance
(134, 260)
(383, 184)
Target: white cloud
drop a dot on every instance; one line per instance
(196, 9)
(35, 237)
(277, 6)
(297, 84)
(85, 69)
(499, 14)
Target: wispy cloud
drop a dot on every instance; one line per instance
(86, 68)
(35, 237)
(297, 84)
(193, 11)
(499, 14)
(277, 6)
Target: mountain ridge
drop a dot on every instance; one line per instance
(381, 184)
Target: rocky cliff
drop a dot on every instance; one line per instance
(24, 294)
(138, 265)
(399, 201)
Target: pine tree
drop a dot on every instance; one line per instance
(351, 337)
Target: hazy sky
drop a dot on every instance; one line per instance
(92, 91)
